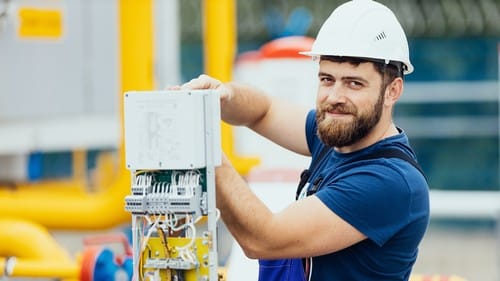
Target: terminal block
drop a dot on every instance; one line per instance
(156, 197)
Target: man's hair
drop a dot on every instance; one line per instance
(388, 71)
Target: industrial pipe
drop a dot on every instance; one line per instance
(28, 250)
(64, 206)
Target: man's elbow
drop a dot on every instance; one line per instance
(251, 250)
(259, 250)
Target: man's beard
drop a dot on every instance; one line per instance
(338, 132)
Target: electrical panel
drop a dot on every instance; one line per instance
(172, 145)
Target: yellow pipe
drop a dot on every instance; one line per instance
(220, 50)
(219, 37)
(67, 208)
(41, 269)
(33, 252)
(136, 43)
(28, 240)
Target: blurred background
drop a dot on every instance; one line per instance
(65, 63)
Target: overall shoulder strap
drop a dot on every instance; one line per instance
(306, 174)
(389, 153)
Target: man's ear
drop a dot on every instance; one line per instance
(393, 91)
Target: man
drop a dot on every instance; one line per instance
(364, 215)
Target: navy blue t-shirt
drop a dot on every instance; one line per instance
(387, 199)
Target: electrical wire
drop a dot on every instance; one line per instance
(159, 219)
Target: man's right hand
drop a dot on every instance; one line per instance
(206, 82)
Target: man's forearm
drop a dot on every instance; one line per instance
(245, 106)
(243, 213)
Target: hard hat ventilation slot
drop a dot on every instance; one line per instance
(380, 36)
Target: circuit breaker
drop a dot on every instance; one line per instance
(172, 146)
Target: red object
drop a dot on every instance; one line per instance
(94, 247)
(110, 238)
(89, 259)
(281, 48)
(287, 47)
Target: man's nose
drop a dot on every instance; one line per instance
(336, 94)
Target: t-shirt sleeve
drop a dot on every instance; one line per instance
(374, 198)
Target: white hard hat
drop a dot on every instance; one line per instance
(364, 29)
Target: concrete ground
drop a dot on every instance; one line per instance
(472, 252)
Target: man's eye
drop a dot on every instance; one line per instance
(355, 84)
